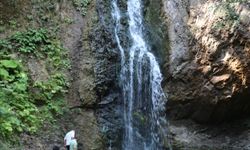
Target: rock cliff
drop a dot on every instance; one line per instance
(207, 73)
(203, 47)
(207, 69)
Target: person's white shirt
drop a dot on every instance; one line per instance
(69, 136)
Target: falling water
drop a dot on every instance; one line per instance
(144, 100)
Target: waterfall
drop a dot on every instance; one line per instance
(140, 80)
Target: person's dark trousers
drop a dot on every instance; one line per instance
(56, 148)
(67, 147)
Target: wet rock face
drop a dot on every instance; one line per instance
(155, 29)
(207, 74)
(105, 67)
(106, 70)
(106, 53)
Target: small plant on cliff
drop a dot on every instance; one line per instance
(81, 5)
(229, 16)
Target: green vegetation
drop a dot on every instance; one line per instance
(42, 45)
(17, 112)
(13, 24)
(81, 5)
(44, 13)
(230, 18)
(25, 103)
(68, 20)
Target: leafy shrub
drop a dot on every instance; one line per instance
(229, 15)
(17, 112)
(81, 5)
(20, 108)
(28, 42)
(56, 84)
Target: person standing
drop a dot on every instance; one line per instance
(67, 139)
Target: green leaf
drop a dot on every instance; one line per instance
(20, 86)
(4, 73)
(7, 126)
(9, 63)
